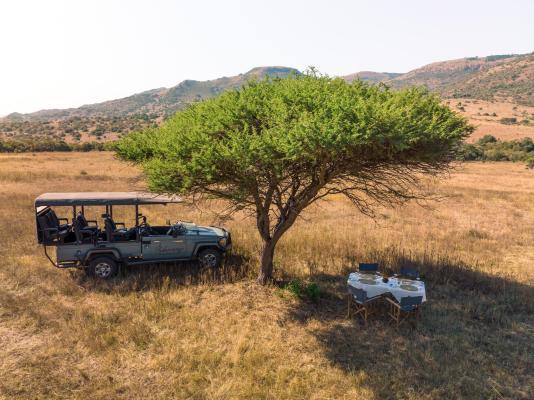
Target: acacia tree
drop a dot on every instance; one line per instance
(278, 145)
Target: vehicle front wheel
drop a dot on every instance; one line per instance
(102, 267)
(210, 258)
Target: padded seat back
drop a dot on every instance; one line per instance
(368, 267)
(109, 227)
(52, 218)
(359, 295)
(49, 228)
(410, 303)
(43, 228)
(83, 231)
(77, 228)
(409, 273)
(81, 221)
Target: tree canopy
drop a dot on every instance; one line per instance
(276, 146)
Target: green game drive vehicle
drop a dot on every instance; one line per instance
(102, 251)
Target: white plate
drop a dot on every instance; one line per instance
(411, 288)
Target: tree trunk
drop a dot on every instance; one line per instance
(266, 264)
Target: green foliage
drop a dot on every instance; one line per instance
(99, 131)
(313, 292)
(488, 148)
(470, 152)
(39, 144)
(73, 126)
(276, 146)
(271, 127)
(310, 291)
(295, 287)
(487, 139)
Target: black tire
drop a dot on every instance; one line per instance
(102, 267)
(210, 258)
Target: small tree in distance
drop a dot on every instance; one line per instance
(278, 145)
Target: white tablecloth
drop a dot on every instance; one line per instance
(399, 288)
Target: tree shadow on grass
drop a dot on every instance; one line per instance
(475, 338)
(139, 278)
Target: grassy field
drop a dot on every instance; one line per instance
(486, 117)
(175, 332)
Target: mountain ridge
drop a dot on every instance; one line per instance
(500, 83)
(164, 101)
(508, 77)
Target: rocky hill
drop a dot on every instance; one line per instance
(492, 92)
(161, 102)
(499, 77)
(371, 76)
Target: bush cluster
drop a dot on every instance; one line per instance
(40, 144)
(488, 148)
(298, 288)
(75, 127)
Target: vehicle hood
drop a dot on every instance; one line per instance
(205, 230)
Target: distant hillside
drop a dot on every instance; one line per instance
(499, 77)
(371, 76)
(161, 102)
(496, 93)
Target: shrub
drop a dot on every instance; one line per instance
(311, 291)
(495, 154)
(295, 287)
(470, 152)
(99, 131)
(487, 139)
(508, 121)
(39, 144)
(491, 149)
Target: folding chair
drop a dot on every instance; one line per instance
(409, 308)
(368, 268)
(360, 304)
(409, 273)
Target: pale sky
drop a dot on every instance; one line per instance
(59, 54)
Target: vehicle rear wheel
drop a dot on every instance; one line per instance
(102, 267)
(210, 258)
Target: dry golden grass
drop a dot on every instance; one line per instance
(175, 332)
(485, 116)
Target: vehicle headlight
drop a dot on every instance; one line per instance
(222, 242)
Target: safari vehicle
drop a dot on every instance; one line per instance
(102, 251)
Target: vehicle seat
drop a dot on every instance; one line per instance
(82, 223)
(50, 230)
(112, 233)
(54, 220)
(82, 230)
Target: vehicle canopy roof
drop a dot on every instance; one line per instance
(103, 199)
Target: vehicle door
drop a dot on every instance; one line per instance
(162, 246)
(171, 246)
